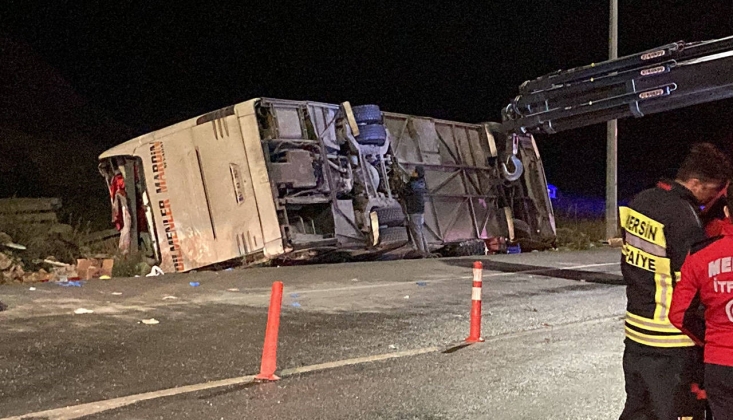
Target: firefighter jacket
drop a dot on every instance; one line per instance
(708, 273)
(660, 225)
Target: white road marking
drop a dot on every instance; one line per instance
(76, 411)
(81, 410)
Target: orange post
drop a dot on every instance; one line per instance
(474, 335)
(269, 351)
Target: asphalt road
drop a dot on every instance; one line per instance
(552, 323)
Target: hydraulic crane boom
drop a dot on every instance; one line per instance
(670, 77)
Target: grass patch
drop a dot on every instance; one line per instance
(580, 234)
(131, 265)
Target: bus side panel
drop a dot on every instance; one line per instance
(271, 233)
(230, 199)
(178, 202)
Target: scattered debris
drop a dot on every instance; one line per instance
(55, 263)
(5, 262)
(77, 283)
(407, 297)
(7, 242)
(233, 290)
(32, 289)
(615, 242)
(295, 305)
(151, 321)
(61, 271)
(422, 283)
(392, 347)
(82, 311)
(169, 298)
(105, 277)
(544, 324)
(89, 268)
(155, 271)
(354, 279)
(117, 293)
(194, 284)
(33, 222)
(294, 295)
(11, 268)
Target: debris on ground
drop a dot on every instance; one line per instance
(32, 289)
(151, 321)
(89, 268)
(233, 290)
(194, 284)
(82, 311)
(155, 271)
(615, 242)
(36, 247)
(422, 283)
(117, 293)
(169, 298)
(70, 283)
(7, 242)
(13, 269)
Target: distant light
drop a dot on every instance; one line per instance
(552, 191)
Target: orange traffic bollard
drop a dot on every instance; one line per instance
(269, 351)
(474, 335)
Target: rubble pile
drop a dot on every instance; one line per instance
(12, 268)
(47, 250)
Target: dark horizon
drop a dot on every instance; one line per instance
(147, 67)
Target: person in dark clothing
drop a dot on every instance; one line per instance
(414, 198)
(707, 275)
(660, 225)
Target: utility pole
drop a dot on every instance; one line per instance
(612, 138)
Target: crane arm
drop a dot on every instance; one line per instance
(670, 77)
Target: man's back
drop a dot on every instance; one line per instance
(660, 225)
(415, 196)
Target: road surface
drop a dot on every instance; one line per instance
(359, 341)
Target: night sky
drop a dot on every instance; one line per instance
(147, 64)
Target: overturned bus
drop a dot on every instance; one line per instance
(271, 179)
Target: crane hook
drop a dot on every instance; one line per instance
(518, 169)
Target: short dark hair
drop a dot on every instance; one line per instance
(706, 163)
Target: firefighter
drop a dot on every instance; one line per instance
(659, 227)
(707, 276)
